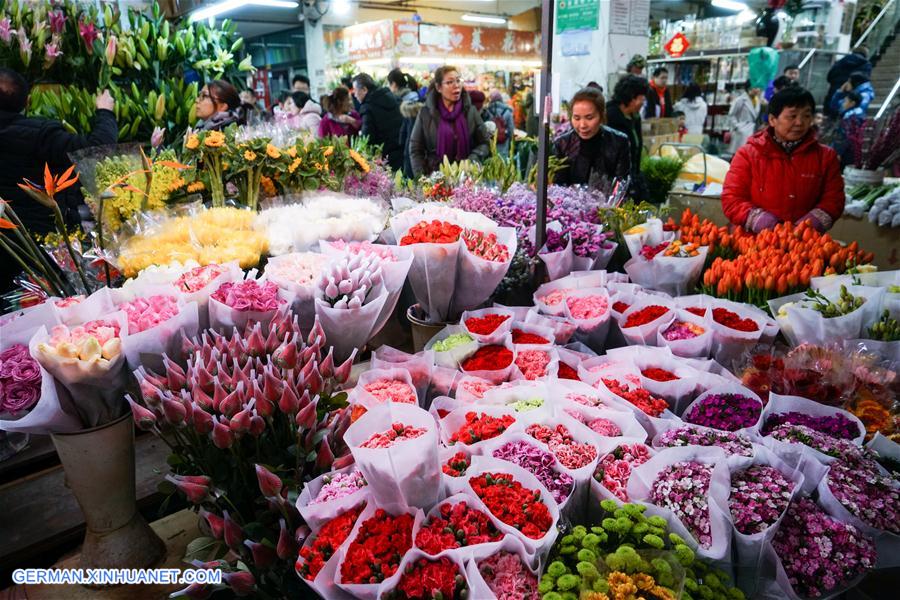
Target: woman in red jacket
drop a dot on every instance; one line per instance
(783, 173)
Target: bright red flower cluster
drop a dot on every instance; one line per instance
(620, 306)
(640, 397)
(457, 465)
(313, 557)
(725, 317)
(489, 358)
(567, 372)
(649, 252)
(645, 315)
(523, 337)
(480, 427)
(485, 245)
(458, 525)
(514, 504)
(485, 325)
(375, 553)
(396, 434)
(569, 453)
(433, 232)
(697, 310)
(657, 374)
(430, 579)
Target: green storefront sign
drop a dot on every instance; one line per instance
(577, 14)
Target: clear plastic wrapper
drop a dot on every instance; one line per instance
(498, 335)
(728, 343)
(146, 348)
(673, 275)
(419, 366)
(562, 328)
(694, 347)
(362, 396)
(316, 514)
(646, 333)
(91, 308)
(810, 326)
(478, 588)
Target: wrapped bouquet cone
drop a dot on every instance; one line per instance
(99, 467)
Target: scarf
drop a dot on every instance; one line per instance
(452, 133)
(787, 146)
(219, 121)
(661, 96)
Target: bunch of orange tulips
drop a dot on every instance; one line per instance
(754, 268)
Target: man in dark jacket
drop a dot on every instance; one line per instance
(840, 71)
(624, 114)
(29, 144)
(659, 101)
(381, 118)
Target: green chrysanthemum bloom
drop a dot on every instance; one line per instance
(712, 581)
(556, 569)
(601, 586)
(608, 505)
(677, 539)
(567, 540)
(684, 554)
(657, 521)
(736, 594)
(586, 555)
(690, 584)
(640, 529)
(546, 584)
(587, 569)
(654, 541)
(608, 524)
(568, 582)
(635, 510)
(661, 565)
(569, 596)
(623, 524)
(591, 541)
(615, 562)
(552, 596)
(579, 532)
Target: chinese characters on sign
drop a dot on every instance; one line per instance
(678, 45)
(572, 15)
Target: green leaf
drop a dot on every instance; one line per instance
(174, 460)
(165, 487)
(202, 549)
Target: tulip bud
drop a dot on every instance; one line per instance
(201, 398)
(222, 436)
(241, 583)
(271, 387)
(203, 378)
(212, 564)
(240, 423)
(304, 399)
(286, 547)
(263, 556)
(286, 355)
(175, 376)
(194, 492)
(342, 461)
(219, 395)
(232, 403)
(269, 483)
(214, 523)
(314, 381)
(289, 403)
(202, 421)
(342, 373)
(257, 425)
(256, 343)
(234, 535)
(324, 456)
(326, 367)
(306, 418)
(188, 406)
(272, 341)
(151, 394)
(174, 411)
(143, 418)
(308, 367)
(315, 332)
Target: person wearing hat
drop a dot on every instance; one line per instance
(636, 65)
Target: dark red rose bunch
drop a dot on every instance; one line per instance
(457, 525)
(313, 557)
(375, 553)
(732, 320)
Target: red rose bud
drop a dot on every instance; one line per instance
(324, 457)
(202, 420)
(240, 423)
(241, 583)
(231, 404)
(306, 418)
(195, 591)
(175, 376)
(263, 556)
(326, 369)
(257, 426)
(214, 522)
(174, 411)
(194, 492)
(234, 535)
(286, 548)
(269, 483)
(144, 419)
(342, 373)
(289, 403)
(342, 461)
(222, 436)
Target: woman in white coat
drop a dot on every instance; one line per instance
(743, 115)
(694, 108)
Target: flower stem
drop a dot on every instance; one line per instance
(61, 227)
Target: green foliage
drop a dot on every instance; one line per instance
(660, 172)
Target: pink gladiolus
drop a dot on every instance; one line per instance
(194, 492)
(269, 483)
(263, 556)
(306, 418)
(241, 583)
(286, 547)
(197, 479)
(234, 535)
(143, 419)
(174, 411)
(222, 436)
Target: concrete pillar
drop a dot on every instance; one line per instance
(315, 58)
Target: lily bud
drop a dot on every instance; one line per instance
(342, 373)
(289, 403)
(174, 411)
(222, 436)
(324, 456)
(194, 492)
(269, 483)
(263, 556)
(241, 583)
(214, 522)
(342, 461)
(326, 368)
(203, 421)
(257, 425)
(240, 423)
(234, 535)
(286, 547)
(306, 418)
(143, 419)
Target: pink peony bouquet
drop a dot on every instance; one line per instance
(145, 313)
(249, 295)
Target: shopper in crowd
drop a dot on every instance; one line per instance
(659, 101)
(347, 82)
(300, 83)
(500, 114)
(594, 153)
(340, 119)
(852, 117)
(636, 65)
(29, 143)
(783, 173)
(682, 129)
(381, 118)
(743, 114)
(595, 85)
(250, 110)
(477, 97)
(403, 86)
(623, 113)
(301, 113)
(694, 108)
(409, 110)
(217, 106)
(791, 74)
(857, 82)
(839, 74)
(447, 126)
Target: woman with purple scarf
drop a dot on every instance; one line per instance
(448, 125)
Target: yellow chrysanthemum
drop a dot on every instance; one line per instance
(359, 160)
(292, 152)
(329, 150)
(193, 142)
(177, 183)
(215, 139)
(294, 164)
(318, 166)
(197, 186)
(249, 155)
(272, 151)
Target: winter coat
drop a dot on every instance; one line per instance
(762, 175)
(694, 114)
(423, 140)
(220, 121)
(405, 94)
(866, 92)
(381, 122)
(329, 126)
(631, 127)
(743, 116)
(840, 72)
(499, 109)
(409, 109)
(310, 117)
(613, 159)
(652, 104)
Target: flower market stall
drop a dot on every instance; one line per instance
(670, 407)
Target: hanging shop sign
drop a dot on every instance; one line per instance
(572, 15)
(678, 45)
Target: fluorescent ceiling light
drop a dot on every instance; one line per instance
(495, 20)
(341, 7)
(729, 5)
(745, 16)
(497, 62)
(214, 10)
